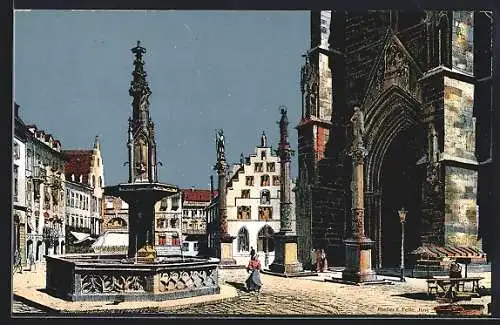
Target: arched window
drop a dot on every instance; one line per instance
(264, 180)
(100, 181)
(93, 180)
(243, 240)
(265, 197)
(265, 240)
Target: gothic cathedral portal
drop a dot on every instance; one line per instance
(423, 81)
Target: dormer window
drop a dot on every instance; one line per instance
(263, 154)
(258, 167)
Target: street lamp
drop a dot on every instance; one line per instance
(402, 218)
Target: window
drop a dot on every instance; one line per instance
(276, 180)
(249, 181)
(163, 204)
(196, 247)
(162, 240)
(100, 181)
(265, 197)
(264, 180)
(263, 154)
(244, 212)
(16, 152)
(72, 201)
(29, 159)
(93, 181)
(270, 167)
(176, 202)
(109, 202)
(174, 222)
(265, 213)
(185, 213)
(72, 220)
(175, 240)
(161, 223)
(38, 160)
(245, 194)
(258, 167)
(16, 185)
(265, 240)
(243, 240)
(185, 247)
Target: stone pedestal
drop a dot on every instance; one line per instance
(226, 251)
(358, 261)
(285, 258)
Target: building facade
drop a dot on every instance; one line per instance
(423, 82)
(84, 171)
(253, 204)
(45, 195)
(115, 215)
(168, 214)
(194, 218)
(19, 187)
(78, 214)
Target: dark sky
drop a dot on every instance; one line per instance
(206, 70)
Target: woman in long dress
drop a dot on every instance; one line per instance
(253, 282)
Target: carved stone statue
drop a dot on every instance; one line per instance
(219, 142)
(358, 125)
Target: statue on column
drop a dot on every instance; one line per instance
(358, 126)
(219, 143)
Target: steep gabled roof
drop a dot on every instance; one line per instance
(196, 195)
(78, 163)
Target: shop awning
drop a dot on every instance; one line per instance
(454, 252)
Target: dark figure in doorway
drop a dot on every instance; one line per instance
(253, 282)
(252, 252)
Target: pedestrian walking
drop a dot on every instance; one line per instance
(31, 262)
(17, 262)
(252, 251)
(253, 282)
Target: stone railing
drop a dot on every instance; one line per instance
(86, 278)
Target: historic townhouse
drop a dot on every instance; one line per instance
(253, 204)
(45, 195)
(19, 187)
(85, 181)
(168, 214)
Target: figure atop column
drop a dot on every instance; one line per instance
(358, 126)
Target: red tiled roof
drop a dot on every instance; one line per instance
(197, 195)
(78, 163)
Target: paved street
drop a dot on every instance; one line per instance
(313, 296)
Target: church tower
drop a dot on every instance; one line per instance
(141, 139)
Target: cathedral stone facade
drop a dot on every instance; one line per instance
(423, 81)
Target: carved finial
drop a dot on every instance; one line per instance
(96, 143)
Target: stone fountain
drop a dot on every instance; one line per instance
(139, 275)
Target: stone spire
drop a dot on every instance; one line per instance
(263, 140)
(141, 142)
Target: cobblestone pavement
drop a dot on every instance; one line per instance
(19, 308)
(314, 296)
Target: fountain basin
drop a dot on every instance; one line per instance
(115, 278)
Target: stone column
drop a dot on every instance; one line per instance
(285, 258)
(224, 239)
(358, 247)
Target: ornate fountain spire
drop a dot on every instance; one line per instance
(141, 141)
